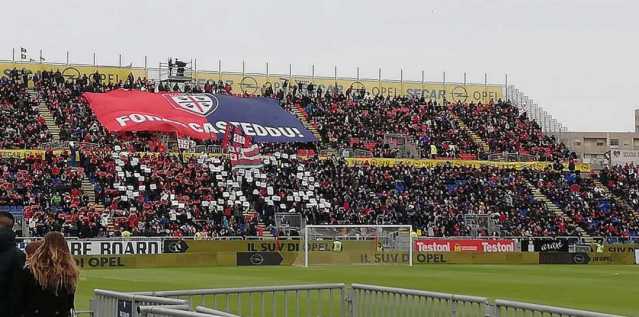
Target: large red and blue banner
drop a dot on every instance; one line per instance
(199, 116)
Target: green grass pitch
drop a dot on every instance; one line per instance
(606, 288)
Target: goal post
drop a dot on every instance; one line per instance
(358, 244)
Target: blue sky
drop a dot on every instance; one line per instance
(578, 59)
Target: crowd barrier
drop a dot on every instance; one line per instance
(582, 167)
(419, 163)
(100, 254)
(332, 300)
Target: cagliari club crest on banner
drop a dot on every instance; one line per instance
(199, 104)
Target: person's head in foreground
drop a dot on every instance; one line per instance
(32, 247)
(52, 265)
(6, 220)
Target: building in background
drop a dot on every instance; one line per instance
(596, 147)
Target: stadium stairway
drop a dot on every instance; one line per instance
(616, 199)
(303, 116)
(249, 215)
(48, 117)
(552, 207)
(483, 146)
(88, 189)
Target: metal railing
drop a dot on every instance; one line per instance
(110, 303)
(506, 308)
(369, 300)
(326, 300)
(179, 311)
(511, 157)
(316, 300)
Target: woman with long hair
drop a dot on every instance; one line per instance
(46, 286)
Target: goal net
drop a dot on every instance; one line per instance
(358, 244)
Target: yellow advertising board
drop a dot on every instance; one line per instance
(21, 154)
(583, 167)
(109, 74)
(253, 83)
(611, 258)
(354, 252)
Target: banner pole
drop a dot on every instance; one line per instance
(13, 54)
(422, 92)
(485, 84)
(506, 86)
(444, 84)
(93, 58)
(401, 82)
(67, 58)
(379, 81)
(219, 69)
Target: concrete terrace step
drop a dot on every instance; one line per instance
(483, 146)
(303, 116)
(88, 189)
(44, 112)
(616, 199)
(552, 207)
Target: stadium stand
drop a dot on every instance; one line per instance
(22, 126)
(179, 194)
(363, 123)
(48, 189)
(505, 129)
(586, 203)
(622, 181)
(170, 201)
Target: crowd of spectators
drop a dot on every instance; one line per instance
(161, 194)
(22, 126)
(363, 123)
(505, 129)
(172, 195)
(436, 200)
(585, 203)
(356, 121)
(48, 189)
(623, 181)
(352, 119)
